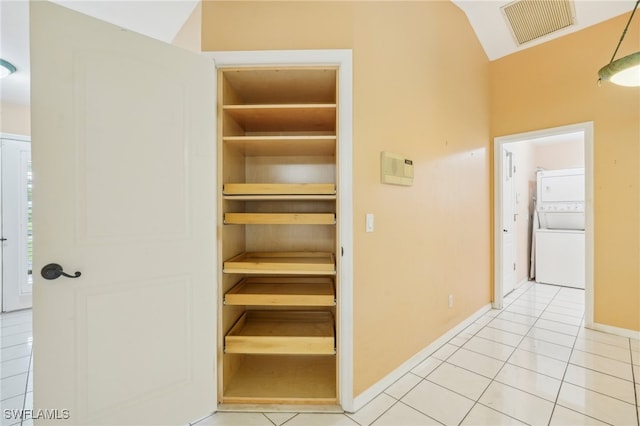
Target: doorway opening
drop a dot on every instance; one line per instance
(515, 221)
(16, 279)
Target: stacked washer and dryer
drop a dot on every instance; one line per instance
(559, 240)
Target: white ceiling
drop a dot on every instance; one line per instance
(161, 19)
(490, 25)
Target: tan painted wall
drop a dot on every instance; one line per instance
(15, 119)
(554, 84)
(421, 89)
(190, 35)
(563, 155)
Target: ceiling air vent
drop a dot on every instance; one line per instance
(532, 19)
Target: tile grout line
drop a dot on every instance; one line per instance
(26, 385)
(441, 362)
(483, 326)
(595, 391)
(635, 388)
(501, 368)
(436, 384)
(14, 375)
(415, 409)
(11, 346)
(399, 401)
(562, 381)
(270, 421)
(288, 420)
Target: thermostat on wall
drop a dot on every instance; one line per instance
(395, 169)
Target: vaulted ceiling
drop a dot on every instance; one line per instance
(163, 19)
(491, 27)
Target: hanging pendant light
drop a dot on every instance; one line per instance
(6, 68)
(626, 70)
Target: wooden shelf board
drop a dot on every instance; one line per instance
(283, 145)
(283, 85)
(300, 263)
(282, 291)
(301, 106)
(316, 408)
(280, 218)
(284, 118)
(267, 379)
(279, 189)
(282, 332)
(291, 197)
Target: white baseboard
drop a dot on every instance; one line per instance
(365, 397)
(624, 332)
(521, 283)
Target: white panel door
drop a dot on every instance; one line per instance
(508, 224)
(123, 161)
(17, 237)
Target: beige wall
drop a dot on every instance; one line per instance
(554, 84)
(190, 35)
(564, 155)
(421, 89)
(15, 119)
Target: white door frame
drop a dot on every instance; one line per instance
(587, 128)
(343, 59)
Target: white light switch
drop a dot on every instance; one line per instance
(369, 223)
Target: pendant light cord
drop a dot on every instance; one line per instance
(624, 33)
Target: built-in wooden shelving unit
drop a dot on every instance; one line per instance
(277, 149)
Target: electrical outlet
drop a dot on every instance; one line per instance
(451, 300)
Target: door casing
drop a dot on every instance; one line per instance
(343, 59)
(498, 142)
(20, 301)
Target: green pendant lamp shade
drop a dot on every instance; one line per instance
(626, 70)
(6, 68)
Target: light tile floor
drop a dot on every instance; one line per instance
(16, 382)
(530, 363)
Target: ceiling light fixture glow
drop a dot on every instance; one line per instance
(626, 70)
(6, 68)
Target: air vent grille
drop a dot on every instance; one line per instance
(532, 19)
